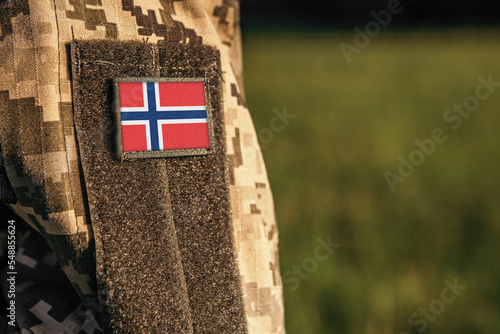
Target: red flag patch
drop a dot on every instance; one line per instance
(163, 117)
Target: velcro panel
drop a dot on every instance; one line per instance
(165, 247)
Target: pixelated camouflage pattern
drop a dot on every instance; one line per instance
(45, 299)
(39, 146)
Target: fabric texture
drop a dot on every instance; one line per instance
(7, 194)
(203, 235)
(46, 301)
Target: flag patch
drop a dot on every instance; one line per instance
(163, 117)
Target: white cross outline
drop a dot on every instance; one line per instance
(144, 96)
(176, 121)
(160, 108)
(148, 133)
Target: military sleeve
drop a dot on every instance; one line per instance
(154, 235)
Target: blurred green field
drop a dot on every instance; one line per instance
(327, 167)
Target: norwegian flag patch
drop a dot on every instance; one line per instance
(160, 117)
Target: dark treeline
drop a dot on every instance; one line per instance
(346, 13)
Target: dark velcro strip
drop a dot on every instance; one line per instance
(139, 269)
(201, 209)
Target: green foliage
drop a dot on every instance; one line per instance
(327, 169)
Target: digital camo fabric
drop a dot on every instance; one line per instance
(43, 158)
(49, 302)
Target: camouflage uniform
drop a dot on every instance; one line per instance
(163, 245)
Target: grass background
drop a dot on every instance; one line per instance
(327, 169)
